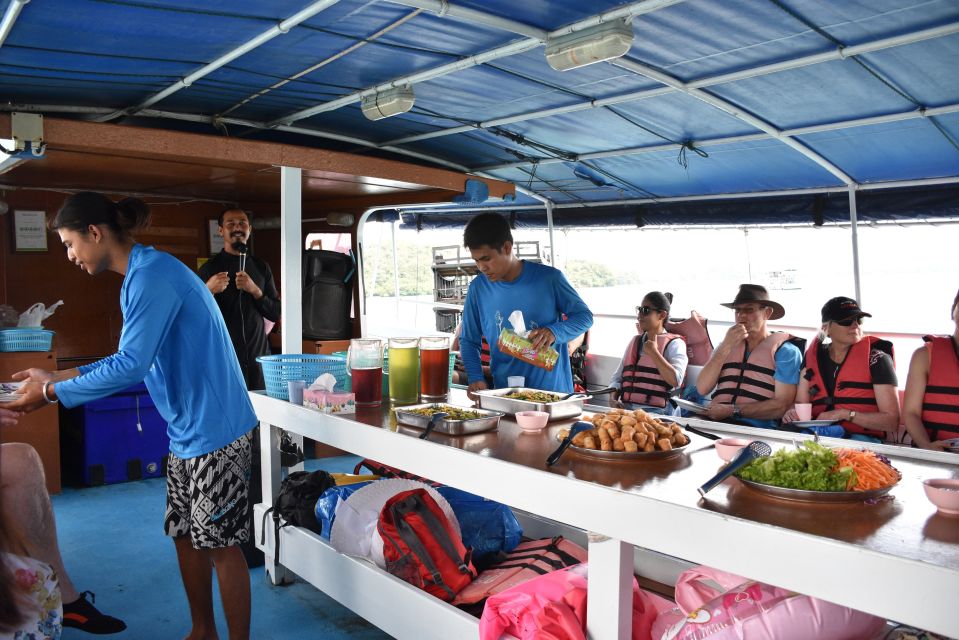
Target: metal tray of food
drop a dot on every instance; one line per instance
(629, 455)
(485, 421)
(496, 400)
(805, 495)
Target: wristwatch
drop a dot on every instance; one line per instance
(852, 416)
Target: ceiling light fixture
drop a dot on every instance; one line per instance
(388, 103)
(594, 44)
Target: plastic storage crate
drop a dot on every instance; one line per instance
(115, 439)
(281, 368)
(25, 339)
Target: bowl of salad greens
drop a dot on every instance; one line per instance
(810, 473)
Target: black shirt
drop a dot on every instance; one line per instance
(243, 314)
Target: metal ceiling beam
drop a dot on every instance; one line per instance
(752, 137)
(443, 8)
(627, 11)
(319, 65)
(838, 53)
(736, 112)
(872, 186)
(9, 18)
(278, 30)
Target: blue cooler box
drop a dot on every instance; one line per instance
(104, 445)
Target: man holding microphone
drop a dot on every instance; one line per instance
(243, 287)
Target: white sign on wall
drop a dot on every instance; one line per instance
(30, 230)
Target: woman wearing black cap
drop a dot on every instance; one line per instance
(931, 403)
(851, 378)
(654, 362)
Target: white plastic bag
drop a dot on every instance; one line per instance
(35, 315)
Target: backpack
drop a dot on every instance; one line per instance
(385, 471)
(699, 346)
(296, 502)
(422, 547)
(528, 560)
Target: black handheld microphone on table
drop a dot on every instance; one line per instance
(241, 249)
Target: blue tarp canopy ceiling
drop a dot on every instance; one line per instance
(712, 98)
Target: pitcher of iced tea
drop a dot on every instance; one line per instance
(364, 362)
(434, 368)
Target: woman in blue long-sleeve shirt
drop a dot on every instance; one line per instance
(174, 340)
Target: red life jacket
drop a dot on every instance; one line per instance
(642, 382)
(940, 404)
(854, 389)
(699, 346)
(743, 380)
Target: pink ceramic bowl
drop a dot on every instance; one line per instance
(727, 448)
(944, 493)
(532, 420)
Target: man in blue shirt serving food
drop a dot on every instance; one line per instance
(551, 310)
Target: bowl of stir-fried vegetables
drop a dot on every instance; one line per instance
(458, 420)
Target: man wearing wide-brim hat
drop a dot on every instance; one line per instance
(754, 372)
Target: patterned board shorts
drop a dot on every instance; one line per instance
(208, 496)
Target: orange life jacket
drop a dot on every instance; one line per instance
(642, 382)
(693, 330)
(940, 404)
(854, 389)
(743, 380)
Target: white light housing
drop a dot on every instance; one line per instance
(388, 103)
(594, 44)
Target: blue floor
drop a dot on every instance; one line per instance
(112, 542)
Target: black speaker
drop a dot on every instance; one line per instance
(327, 294)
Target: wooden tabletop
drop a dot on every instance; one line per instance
(904, 523)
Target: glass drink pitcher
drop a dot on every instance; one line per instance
(404, 370)
(364, 361)
(434, 368)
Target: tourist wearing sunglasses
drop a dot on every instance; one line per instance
(852, 377)
(931, 405)
(655, 361)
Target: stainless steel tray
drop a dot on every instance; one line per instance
(493, 399)
(628, 455)
(804, 495)
(487, 421)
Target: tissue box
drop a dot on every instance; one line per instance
(519, 347)
(329, 401)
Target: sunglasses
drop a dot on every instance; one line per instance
(848, 321)
(645, 311)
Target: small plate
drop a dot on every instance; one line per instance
(805, 424)
(689, 405)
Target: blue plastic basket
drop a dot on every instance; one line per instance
(29, 339)
(280, 369)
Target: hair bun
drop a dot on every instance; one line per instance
(669, 297)
(134, 214)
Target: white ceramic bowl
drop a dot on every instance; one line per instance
(727, 448)
(944, 493)
(532, 421)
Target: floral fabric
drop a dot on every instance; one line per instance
(40, 598)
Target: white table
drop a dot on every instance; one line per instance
(904, 556)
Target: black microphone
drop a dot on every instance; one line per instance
(240, 248)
